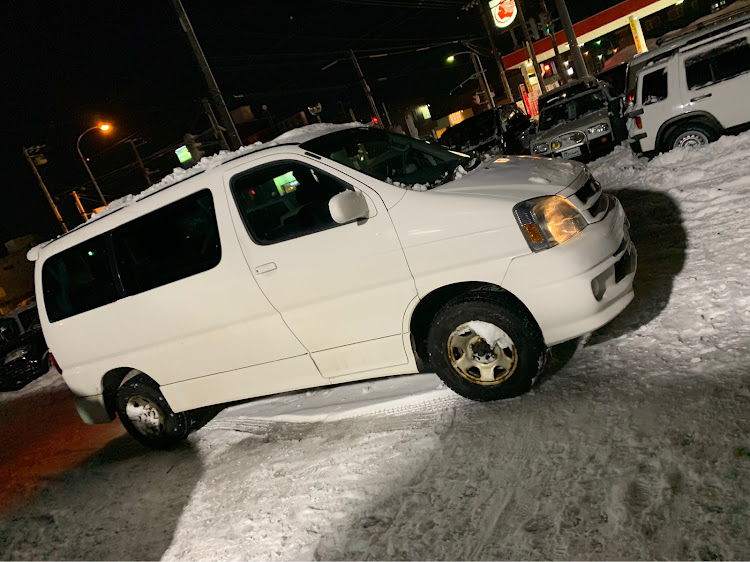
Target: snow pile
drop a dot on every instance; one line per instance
(310, 132)
(491, 334)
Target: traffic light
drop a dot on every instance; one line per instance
(374, 120)
(549, 69)
(194, 147)
(533, 28)
(545, 23)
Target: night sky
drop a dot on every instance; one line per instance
(65, 66)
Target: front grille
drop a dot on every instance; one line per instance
(623, 267)
(596, 208)
(589, 189)
(20, 368)
(621, 247)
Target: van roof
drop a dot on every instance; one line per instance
(290, 138)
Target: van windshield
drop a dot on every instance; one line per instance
(395, 159)
(572, 109)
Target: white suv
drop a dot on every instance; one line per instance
(331, 256)
(693, 92)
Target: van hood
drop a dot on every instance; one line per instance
(516, 177)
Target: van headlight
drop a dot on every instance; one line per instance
(548, 221)
(599, 128)
(541, 148)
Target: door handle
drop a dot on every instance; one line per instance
(699, 98)
(265, 268)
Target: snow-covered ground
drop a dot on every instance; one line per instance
(635, 444)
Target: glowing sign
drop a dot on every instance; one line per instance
(183, 154)
(504, 12)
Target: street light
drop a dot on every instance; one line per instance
(102, 127)
(479, 72)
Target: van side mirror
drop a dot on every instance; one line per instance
(348, 206)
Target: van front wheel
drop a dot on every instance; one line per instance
(145, 414)
(486, 346)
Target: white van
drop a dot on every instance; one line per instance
(332, 255)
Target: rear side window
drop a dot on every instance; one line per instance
(655, 87)
(719, 64)
(78, 279)
(179, 240)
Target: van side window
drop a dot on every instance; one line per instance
(285, 201)
(179, 240)
(78, 279)
(719, 64)
(654, 87)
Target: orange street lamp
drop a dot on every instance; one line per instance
(102, 127)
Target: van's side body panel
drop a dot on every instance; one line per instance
(214, 322)
(342, 291)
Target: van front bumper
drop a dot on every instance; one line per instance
(582, 284)
(93, 410)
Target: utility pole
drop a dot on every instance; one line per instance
(79, 206)
(484, 8)
(546, 18)
(579, 64)
(218, 132)
(387, 115)
(479, 72)
(530, 48)
(40, 159)
(213, 88)
(144, 171)
(366, 88)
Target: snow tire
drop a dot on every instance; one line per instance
(503, 311)
(171, 428)
(696, 128)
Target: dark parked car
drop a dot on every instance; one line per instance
(504, 128)
(24, 355)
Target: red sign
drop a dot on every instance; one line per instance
(504, 12)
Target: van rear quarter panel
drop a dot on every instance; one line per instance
(212, 322)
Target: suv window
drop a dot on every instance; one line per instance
(572, 109)
(78, 279)
(655, 88)
(719, 64)
(285, 200)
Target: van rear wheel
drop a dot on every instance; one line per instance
(145, 414)
(486, 346)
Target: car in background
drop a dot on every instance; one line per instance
(693, 90)
(581, 120)
(24, 355)
(503, 129)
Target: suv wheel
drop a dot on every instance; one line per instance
(145, 414)
(690, 135)
(485, 346)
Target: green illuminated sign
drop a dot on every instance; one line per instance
(183, 154)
